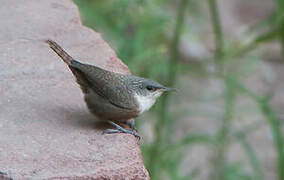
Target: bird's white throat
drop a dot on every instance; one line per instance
(146, 102)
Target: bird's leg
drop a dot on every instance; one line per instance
(131, 124)
(119, 129)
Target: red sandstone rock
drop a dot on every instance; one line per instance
(46, 131)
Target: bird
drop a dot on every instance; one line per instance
(110, 96)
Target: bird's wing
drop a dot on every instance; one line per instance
(106, 84)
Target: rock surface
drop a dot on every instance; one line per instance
(46, 131)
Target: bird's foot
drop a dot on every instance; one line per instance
(130, 123)
(119, 129)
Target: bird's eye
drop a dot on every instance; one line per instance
(150, 88)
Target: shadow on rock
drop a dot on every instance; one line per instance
(76, 117)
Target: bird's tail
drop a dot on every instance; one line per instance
(72, 64)
(61, 53)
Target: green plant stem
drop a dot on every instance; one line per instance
(258, 175)
(277, 135)
(280, 21)
(171, 77)
(281, 36)
(223, 134)
(241, 136)
(222, 137)
(262, 38)
(263, 104)
(215, 19)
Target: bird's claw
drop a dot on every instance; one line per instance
(119, 129)
(131, 125)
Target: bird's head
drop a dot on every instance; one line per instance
(146, 93)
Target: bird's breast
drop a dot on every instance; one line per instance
(144, 103)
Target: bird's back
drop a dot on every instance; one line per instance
(106, 93)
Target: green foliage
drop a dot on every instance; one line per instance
(146, 36)
(235, 171)
(136, 29)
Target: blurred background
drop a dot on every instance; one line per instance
(225, 58)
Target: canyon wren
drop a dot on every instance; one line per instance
(110, 96)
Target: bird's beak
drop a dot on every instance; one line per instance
(168, 89)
